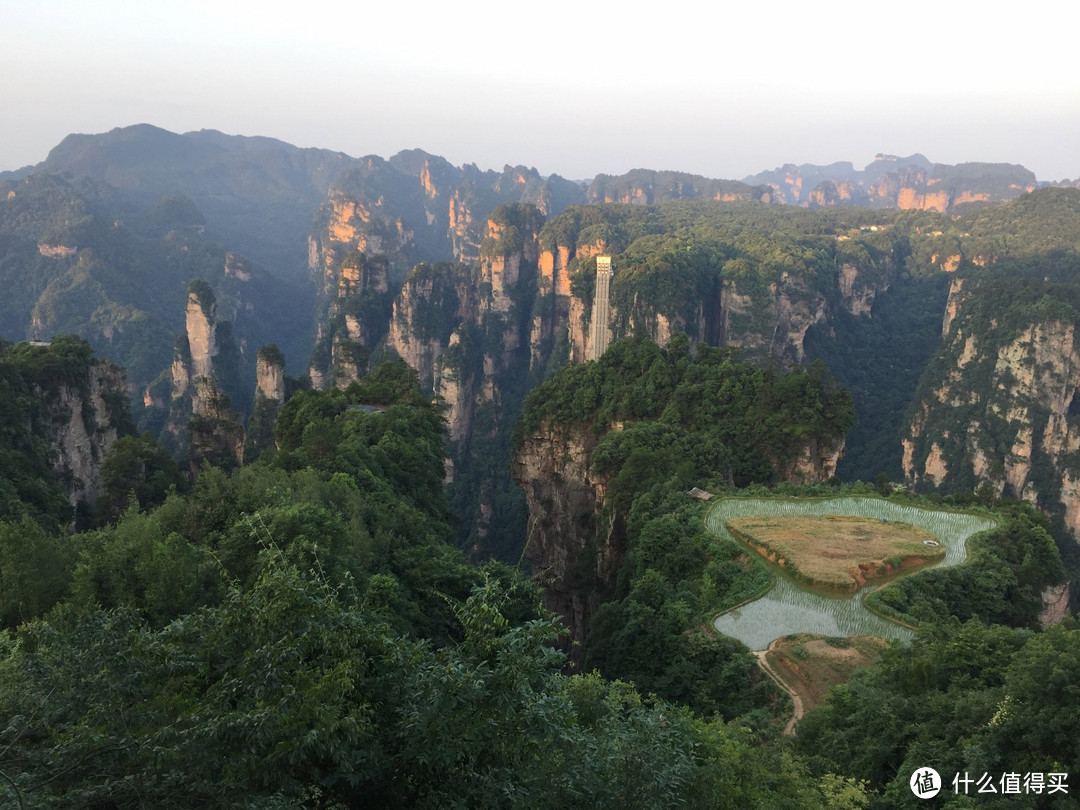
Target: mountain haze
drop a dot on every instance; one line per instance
(326, 480)
(481, 280)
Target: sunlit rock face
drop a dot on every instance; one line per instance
(1003, 412)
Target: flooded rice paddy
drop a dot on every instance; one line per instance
(789, 607)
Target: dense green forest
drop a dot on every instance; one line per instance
(303, 632)
(709, 411)
(305, 629)
(972, 699)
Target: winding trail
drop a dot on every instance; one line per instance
(796, 698)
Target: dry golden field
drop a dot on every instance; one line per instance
(838, 551)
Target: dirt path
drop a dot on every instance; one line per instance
(796, 698)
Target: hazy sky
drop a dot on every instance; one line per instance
(576, 88)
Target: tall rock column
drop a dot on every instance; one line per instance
(201, 425)
(482, 377)
(357, 306)
(269, 397)
(572, 561)
(202, 345)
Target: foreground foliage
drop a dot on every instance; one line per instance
(288, 693)
(302, 633)
(975, 697)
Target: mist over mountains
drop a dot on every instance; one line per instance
(324, 479)
(479, 279)
(259, 194)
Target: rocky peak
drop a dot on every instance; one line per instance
(647, 187)
(270, 373)
(509, 253)
(201, 324)
(433, 302)
(269, 397)
(354, 319)
(898, 182)
(237, 266)
(199, 413)
(216, 432)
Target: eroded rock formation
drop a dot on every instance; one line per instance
(201, 424)
(82, 420)
(1001, 405)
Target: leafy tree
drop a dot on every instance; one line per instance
(283, 694)
(1034, 726)
(137, 565)
(35, 570)
(136, 470)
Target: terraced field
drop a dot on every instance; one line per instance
(840, 552)
(791, 608)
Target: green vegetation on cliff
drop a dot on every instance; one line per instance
(1003, 372)
(721, 417)
(974, 697)
(77, 257)
(668, 420)
(1002, 582)
(302, 633)
(682, 259)
(34, 382)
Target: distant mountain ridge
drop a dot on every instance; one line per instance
(298, 214)
(911, 182)
(259, 193)
(256, 193)
(481, 280)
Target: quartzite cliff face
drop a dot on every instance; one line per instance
(575, 545)
(572, 558)
(82, 421)
(465, 329)
(417, 207)
(270, 392)
(1000, 403)
(481, 333)
(201, 424)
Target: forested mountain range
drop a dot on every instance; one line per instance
(481, 280)
(355, 381)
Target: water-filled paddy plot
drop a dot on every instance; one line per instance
(801, 527)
